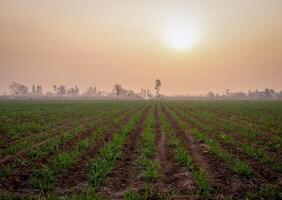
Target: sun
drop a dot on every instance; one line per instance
(181, 36)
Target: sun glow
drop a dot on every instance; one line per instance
(181, 36)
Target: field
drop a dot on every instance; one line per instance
(141, 150)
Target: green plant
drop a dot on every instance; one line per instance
(43, 179)
(184, 158)
(132, 195)
(203, 185)
(103, 164)
(150, 167)
(242, 168)
(62, 161)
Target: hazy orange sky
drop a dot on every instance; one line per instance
(232, 44)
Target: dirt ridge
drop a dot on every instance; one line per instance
(223, 181)
(125, 168)
(174, 177)
(19, 180)
(77, 176)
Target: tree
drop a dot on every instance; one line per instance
(73, 91)
(210, 95)
(118, 90)
(33, 89)
(157, 88)
(227, 92)
(18, 89)
(60, 90)
(39, 90)
(269, 93)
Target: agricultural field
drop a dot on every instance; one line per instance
(141, 150)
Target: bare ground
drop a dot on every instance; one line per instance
(262, 173)
(174, 179)
(77, 177)
(223, 181)
(125, 169)
(18, 181)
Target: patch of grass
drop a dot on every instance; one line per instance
(5, 171)
(103, 164)
(268, 191)
(279, 167)
(148, 192)
(249, 150)
(43, 179)
(228, 139)
(150, 171)
(89, 194)
(83, 144)
(132, 195)
(239, 167)
(62, 161)
(216, 149)
(150, 167)
(181, 153)
(247, 132)
(6, 196)
(184, 158)
(242, 168)
(203, 185)
(51, 145)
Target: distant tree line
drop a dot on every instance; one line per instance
(267, 93)
(118, 92)
(19, 90)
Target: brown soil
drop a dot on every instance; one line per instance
(263, 137)
(54, 129)
(77, 177)
(125, 169)
(22, 153)
(240, 119)
(223, 181)
(174, 178)
(62, 128)
(262, 173)
(18, 181)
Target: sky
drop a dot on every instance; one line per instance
(192, 46)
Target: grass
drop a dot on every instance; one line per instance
(242, 168)
(267, 191)
(245, 132)
(50, 146)
(202, 182)
(132, 195)
(44, 178)
(234, 132)
(238, 166)
(150, 167)
(63, 161)
(104, 163)
(184, 158)
(248, 134)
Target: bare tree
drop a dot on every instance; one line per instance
(227, 92)
(210, 95)
(33, 89)
(73, 91)
(91, 91)
(60, 90)
(157, 88)
(118, 90)
(18, 89)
